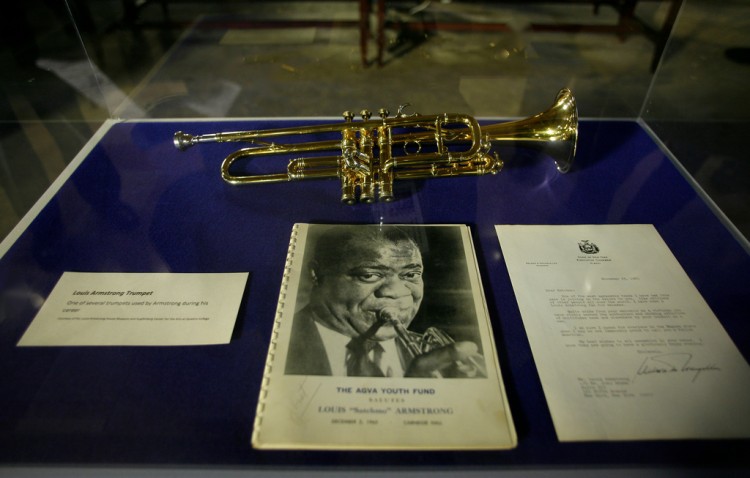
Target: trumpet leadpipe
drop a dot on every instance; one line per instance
(183, 141)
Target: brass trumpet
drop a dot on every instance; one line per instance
(365, 157)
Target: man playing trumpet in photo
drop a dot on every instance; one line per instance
(367, 287)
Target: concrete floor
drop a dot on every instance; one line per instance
(202, 60)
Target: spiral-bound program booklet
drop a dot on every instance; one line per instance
(382, 340)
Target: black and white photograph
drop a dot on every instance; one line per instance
(385, 301)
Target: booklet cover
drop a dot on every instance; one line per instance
(382, 340)
(626, 347)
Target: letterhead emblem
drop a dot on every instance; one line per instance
(588, 247)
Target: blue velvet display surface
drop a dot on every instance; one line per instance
(136, 204)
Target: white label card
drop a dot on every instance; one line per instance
(138, 309)
(625, 346)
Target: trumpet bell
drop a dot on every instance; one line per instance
(553, 132)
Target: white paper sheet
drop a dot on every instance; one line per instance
(138, 309)
(626, 347)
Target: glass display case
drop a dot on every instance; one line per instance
(90, 180)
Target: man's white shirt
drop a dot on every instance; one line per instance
(335, 345)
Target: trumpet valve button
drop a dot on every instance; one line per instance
(348, 116)
(366, 114)
(384, 113)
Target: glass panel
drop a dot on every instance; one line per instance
(137, 204)
(261, 59)
(149, 59)
(699, 102)
(50, 100)
(134, 206)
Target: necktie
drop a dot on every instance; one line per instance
(358, 361)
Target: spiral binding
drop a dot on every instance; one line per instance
(274, 334)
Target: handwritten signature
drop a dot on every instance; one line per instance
(674, 363)
(301, 399)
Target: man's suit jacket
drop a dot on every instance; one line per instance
(307, 355)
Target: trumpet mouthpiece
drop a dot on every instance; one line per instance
(390, 317)
(183, 141)
(387, 317)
